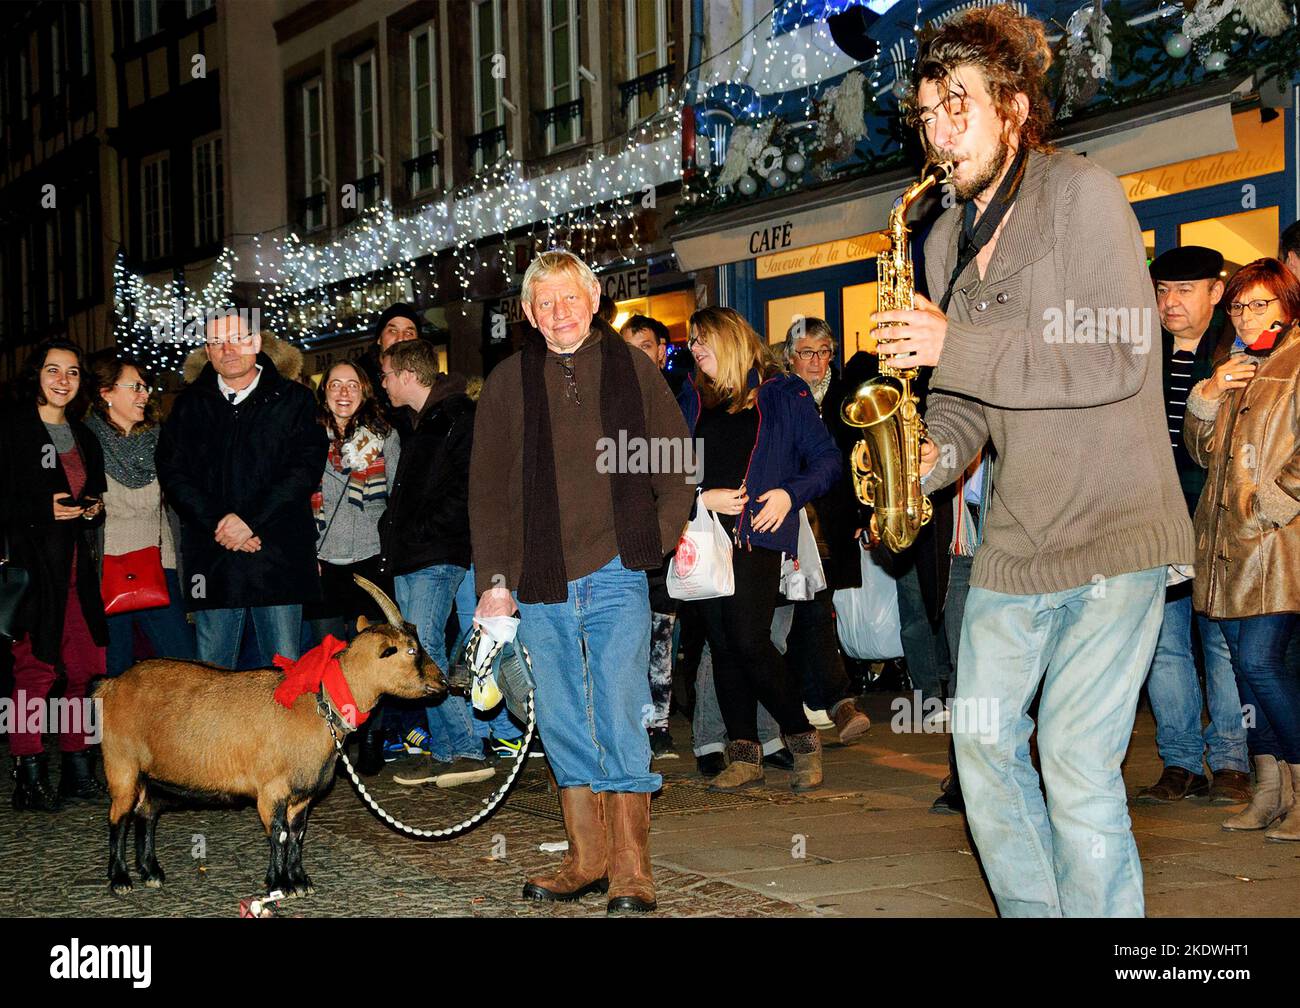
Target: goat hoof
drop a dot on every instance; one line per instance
(120, 886)
(303, 887)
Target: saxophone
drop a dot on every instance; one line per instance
(886, 460)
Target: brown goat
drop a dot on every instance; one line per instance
(190, 730)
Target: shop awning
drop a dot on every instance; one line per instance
(1193, 124)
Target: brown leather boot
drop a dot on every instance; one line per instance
(586, 864)
(850, 721)
(631, 883)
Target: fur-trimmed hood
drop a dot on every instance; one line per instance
(286, 357)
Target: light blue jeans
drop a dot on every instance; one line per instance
(499, 724)
(425, 597)
(590, 654)
(1090, 647)
(708, 731)
(220, 631)
(1175, 694)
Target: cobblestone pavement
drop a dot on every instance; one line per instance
(866, 845)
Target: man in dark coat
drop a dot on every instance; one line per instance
(238, 459)
(1196, 336)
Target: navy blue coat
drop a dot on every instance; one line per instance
(794, 452)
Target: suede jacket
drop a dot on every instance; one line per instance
(1247, 535)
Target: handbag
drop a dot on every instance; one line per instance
(701, 567)
(802, 576)
(134, 581)
(13, 586)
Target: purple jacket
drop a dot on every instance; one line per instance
(793, 452)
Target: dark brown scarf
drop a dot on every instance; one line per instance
(636, 524)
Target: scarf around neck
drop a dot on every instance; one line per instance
(636, 526)
(128, 458)
(361, 460)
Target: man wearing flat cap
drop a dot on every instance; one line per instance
(1189, 285)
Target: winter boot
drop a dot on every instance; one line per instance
(1289, 827)
(627, 824)
(33, 791)
(850, 722)
(585, 868)
(1271, 799)
(807, 749)
(744, 767)
(77, 782)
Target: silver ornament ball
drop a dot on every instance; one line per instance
(776, 178)
(747, 185)
(795, 164)
(1216, 61)
(1178, 45)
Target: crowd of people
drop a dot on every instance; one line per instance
(1103, 518)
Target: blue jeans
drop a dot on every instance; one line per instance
(708, 731)
(425, 598)
(1090, 647)
(168, 632)
(1269, 685)
(1175, 694)
(590, 654)
(220, 631)
(924, 647)
(499, 724)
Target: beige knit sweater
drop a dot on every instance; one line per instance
(131, 521)
(1055, 356)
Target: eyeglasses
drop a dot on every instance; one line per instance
(385, 375)
(352, 386)
(136, 387)
(1256, 307)
(693, 340)
(806, 355)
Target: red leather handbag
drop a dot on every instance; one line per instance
(134, 581)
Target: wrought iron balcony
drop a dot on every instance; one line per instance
(647, 83)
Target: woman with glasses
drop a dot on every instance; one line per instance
(124, 419)
(1243, 425)
(766, 454)
(51, 500)
(352, 496)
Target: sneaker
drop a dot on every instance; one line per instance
(417, 741)
(502, 749)
(421, 771)
(661, 744)
(394, 750)
(428, 771)
(817, 718)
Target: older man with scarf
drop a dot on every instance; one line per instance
(557, 533)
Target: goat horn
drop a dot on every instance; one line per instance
(386, 605)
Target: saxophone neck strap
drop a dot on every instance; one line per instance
(976, 234)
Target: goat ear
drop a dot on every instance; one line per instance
(362, 623)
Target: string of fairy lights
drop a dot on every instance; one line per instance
(311, 290)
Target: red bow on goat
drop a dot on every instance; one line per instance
(319, 667)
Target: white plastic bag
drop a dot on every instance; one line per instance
(803, 576)
(867, 617)
(701, 567)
